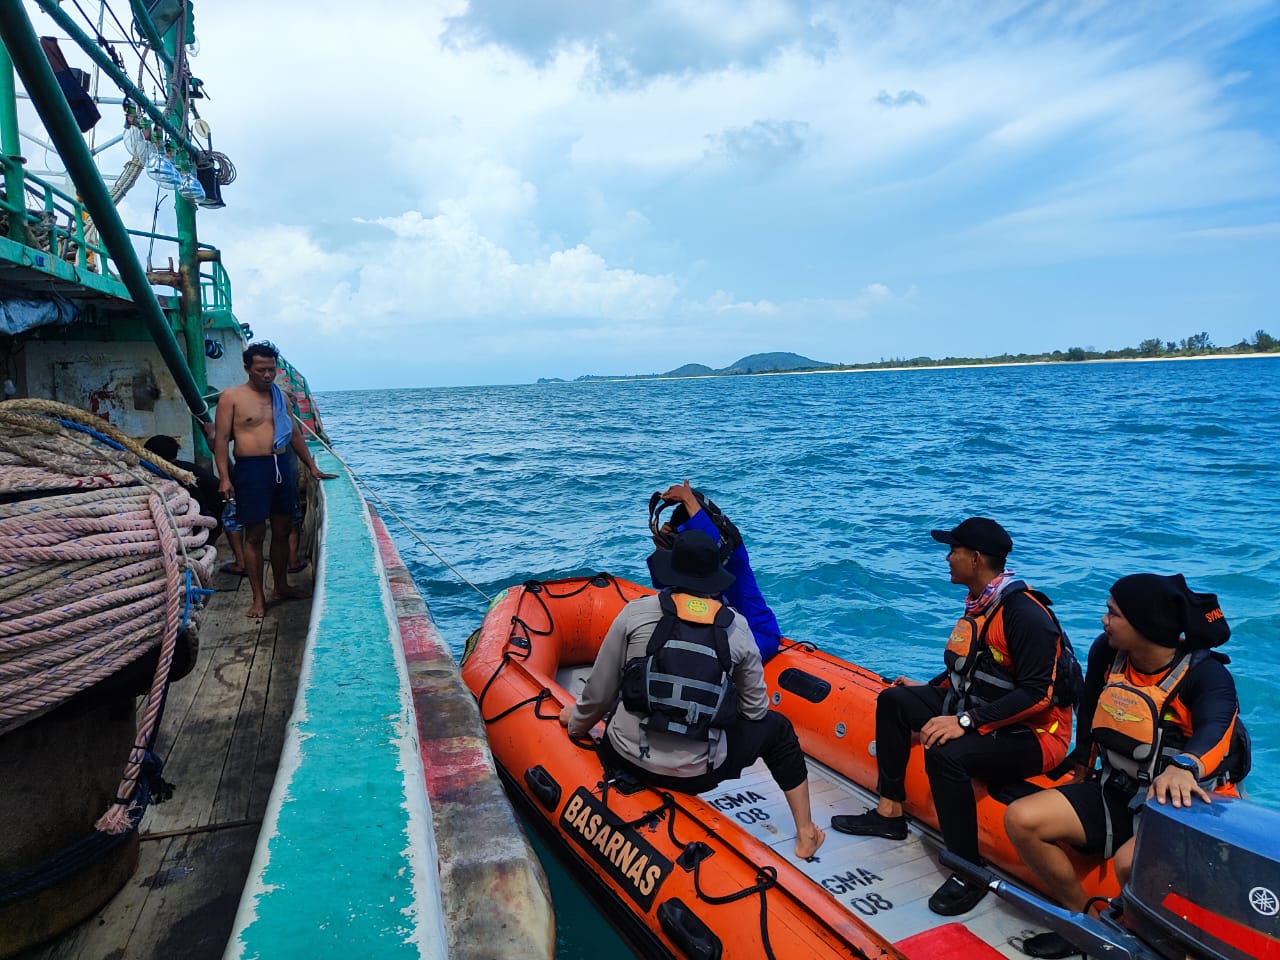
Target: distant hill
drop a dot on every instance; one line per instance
(772, 363)
(691, 370)
(755, 363)
(1196, 345)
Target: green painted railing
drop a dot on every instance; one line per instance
(215, 283)
(62, 219)
(56, 224)
(215, 287)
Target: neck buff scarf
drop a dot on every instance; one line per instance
(973, 606)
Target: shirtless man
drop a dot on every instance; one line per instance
(262, 484)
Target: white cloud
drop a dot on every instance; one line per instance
(1242, 232)
(417, 270)
(754, 172)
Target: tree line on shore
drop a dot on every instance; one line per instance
(1196, 345)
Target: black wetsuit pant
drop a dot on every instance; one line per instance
(1008, 754)
(771, 737)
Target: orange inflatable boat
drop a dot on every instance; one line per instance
(715, 875)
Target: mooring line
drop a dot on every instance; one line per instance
(383, 504)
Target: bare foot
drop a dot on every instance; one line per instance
(809, 840)
(290, 593)
(257, 611)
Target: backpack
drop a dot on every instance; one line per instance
(1068, 677)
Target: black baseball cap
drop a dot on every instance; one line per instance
(977, 533)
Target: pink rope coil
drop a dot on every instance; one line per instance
(93, 579)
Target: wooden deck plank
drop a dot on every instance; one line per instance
(196, 762)
(281, 690)
(194, 895)
(231, 801)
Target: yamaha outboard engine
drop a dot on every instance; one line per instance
(1206, 879)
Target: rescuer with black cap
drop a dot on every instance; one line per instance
(1159, 721)
(1001, 665)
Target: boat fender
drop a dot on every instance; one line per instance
(687, 931)
(543, 786)
(804, 685)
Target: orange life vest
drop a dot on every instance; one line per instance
(1140, 724)
(980, 670)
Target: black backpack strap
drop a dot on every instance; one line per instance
(730, 538)
(724, 617)
(665, 626)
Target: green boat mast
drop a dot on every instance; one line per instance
(23, 53)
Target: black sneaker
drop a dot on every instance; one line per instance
(1052, 946)
(871, 824)
(955, 897)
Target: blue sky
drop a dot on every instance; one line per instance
(493, 192)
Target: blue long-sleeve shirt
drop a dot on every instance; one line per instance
(744, 593)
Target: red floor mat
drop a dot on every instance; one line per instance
(951, 941)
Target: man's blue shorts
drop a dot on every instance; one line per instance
(264, 487)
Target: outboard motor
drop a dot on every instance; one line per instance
(1206, 879)
(1205, 884)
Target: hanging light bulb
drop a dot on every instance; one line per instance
(146, 145)
(132, 135)
(189, 186)
(161, 169)
(134, 142)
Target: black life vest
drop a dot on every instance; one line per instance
(684, 682)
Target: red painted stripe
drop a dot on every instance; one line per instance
(1253, 943)
(453, 763)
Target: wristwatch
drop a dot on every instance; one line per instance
(966, 723)
(1184, 761)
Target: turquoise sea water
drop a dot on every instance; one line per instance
(1097, 471)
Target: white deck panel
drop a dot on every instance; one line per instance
(884, 883)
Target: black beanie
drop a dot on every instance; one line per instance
(1162, 609)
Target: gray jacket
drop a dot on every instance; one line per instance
(669, 755)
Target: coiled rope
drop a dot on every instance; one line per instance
(102, 558)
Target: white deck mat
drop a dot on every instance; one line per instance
(885, 883)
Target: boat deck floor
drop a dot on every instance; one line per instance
(221, 736)
(885, 883)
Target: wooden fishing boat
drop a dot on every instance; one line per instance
(332, 793)
(715, 874)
